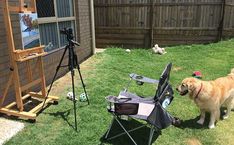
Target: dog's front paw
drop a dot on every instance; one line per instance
(200, 121)
(211, 126)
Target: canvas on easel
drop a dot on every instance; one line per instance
(29, 30)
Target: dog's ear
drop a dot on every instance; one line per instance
(184, 86)
(190, 83)
(191, 86)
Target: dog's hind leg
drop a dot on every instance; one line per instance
(230, 106)
(202, 117)
(214, 116)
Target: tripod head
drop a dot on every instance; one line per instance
(69, 33)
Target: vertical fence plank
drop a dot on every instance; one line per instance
(136, 23)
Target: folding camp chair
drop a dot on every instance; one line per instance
(150, 109)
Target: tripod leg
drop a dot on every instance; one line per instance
(74, 97)
(71, 68)
(57, 69)
(83, 85)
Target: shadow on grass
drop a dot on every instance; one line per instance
(140, 136)
(64, 115)
(191, 123)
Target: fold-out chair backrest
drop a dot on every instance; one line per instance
(159, 117)
(163, 82)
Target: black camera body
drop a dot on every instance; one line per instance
(68, 32)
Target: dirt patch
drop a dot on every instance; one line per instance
(100, 50)
(193, 141)
(91, 62)
(85, 67)
(60, 84)
(177, 68)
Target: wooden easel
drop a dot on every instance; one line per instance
(26, 56)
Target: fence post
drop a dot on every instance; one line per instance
(152, 23)
(92, 26)
(220, 28)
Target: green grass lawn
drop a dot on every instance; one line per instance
(107, 73)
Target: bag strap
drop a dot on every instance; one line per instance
(122, 100)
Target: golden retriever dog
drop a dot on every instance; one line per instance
(209, 96)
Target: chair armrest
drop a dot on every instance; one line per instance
(144, 79)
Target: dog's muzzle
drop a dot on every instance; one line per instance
(183, 90)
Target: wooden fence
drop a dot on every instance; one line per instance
(142, 23)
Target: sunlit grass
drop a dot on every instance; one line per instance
(107, 73)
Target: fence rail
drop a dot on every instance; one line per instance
(142, 23)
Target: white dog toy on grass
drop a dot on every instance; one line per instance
(70, 96)
(82, 98)
(128, 50)
(158, 50)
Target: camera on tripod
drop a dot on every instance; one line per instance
(69, 33)
(72, 64)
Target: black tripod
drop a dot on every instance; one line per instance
(72, 64)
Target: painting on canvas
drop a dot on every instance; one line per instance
(29, 30)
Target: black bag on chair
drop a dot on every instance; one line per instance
(126, 108)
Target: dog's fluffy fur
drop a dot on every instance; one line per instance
(209, 96)
(158, 50)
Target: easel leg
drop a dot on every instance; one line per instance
(41, 71)
(17, 88)
(10, 42)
